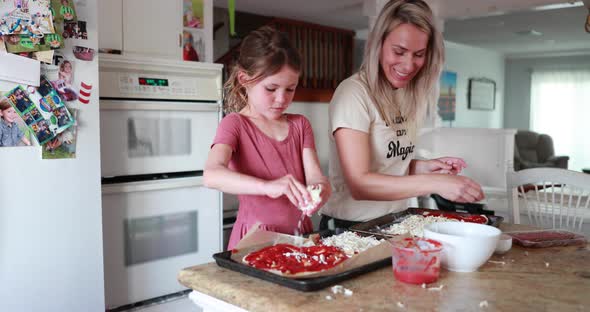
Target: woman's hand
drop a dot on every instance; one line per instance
(289, 186)
(442, 165)
(458, 188)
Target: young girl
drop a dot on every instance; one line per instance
(262, 154)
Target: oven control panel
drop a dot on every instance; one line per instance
(123, 77)
(149, 85)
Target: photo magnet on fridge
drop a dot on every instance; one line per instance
(27, 17)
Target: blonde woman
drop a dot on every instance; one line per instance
(374, 117)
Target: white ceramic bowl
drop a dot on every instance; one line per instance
(466, 246)
(504, 244)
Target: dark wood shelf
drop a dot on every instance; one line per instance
(313, 95)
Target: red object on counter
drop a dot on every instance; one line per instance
(416, 260)
(547, 238)
(291, 259)
(481, 219)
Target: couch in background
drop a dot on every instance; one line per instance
(533, 150)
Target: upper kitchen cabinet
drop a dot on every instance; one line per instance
(177, 29)
(110, 24)
(152, 27)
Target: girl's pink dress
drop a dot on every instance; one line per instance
(256, 154)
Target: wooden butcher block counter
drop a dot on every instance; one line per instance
(524, 279)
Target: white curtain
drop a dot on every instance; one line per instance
(560, 107)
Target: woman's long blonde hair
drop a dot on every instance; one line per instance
(263, 53)
(413, 101)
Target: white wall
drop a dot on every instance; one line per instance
(518, 85)
(50, 213)
(317, 113)
(470, 62)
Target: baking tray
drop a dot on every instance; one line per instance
(374, 226)
(223, 259)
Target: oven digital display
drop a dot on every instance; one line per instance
(153, 82)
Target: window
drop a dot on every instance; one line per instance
(560, 107)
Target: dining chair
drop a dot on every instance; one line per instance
(553, 197)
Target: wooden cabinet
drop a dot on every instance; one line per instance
(151, 28)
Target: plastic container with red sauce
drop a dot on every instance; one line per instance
(416, 260)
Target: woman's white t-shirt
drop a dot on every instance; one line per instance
(391, 148)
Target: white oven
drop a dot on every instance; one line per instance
(143, 137)
(156, 116)
(151, 231)
(158, 119)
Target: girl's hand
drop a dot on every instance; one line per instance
(326, 191)
(289, 186)
(458, 188)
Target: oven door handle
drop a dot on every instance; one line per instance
(153, 185)
(159, 106)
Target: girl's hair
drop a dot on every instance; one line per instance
(413, 101)
(4, 104)
(263, 53)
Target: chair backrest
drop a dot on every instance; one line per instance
(553, 198)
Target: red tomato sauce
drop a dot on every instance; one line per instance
(415, 265)
(292, 259)
(481, 219)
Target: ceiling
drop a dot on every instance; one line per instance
(562, 29)
(336, 13)
(526, 33)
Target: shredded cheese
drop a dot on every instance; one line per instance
(351, 243)
(414, 225)
(296, 255)
(439, 288)
(339, 289)
(314, 192)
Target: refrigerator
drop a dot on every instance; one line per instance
(51, 250)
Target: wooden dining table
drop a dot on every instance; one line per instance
(523, 279)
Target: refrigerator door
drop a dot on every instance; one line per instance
(146, 137)
(152, 230)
